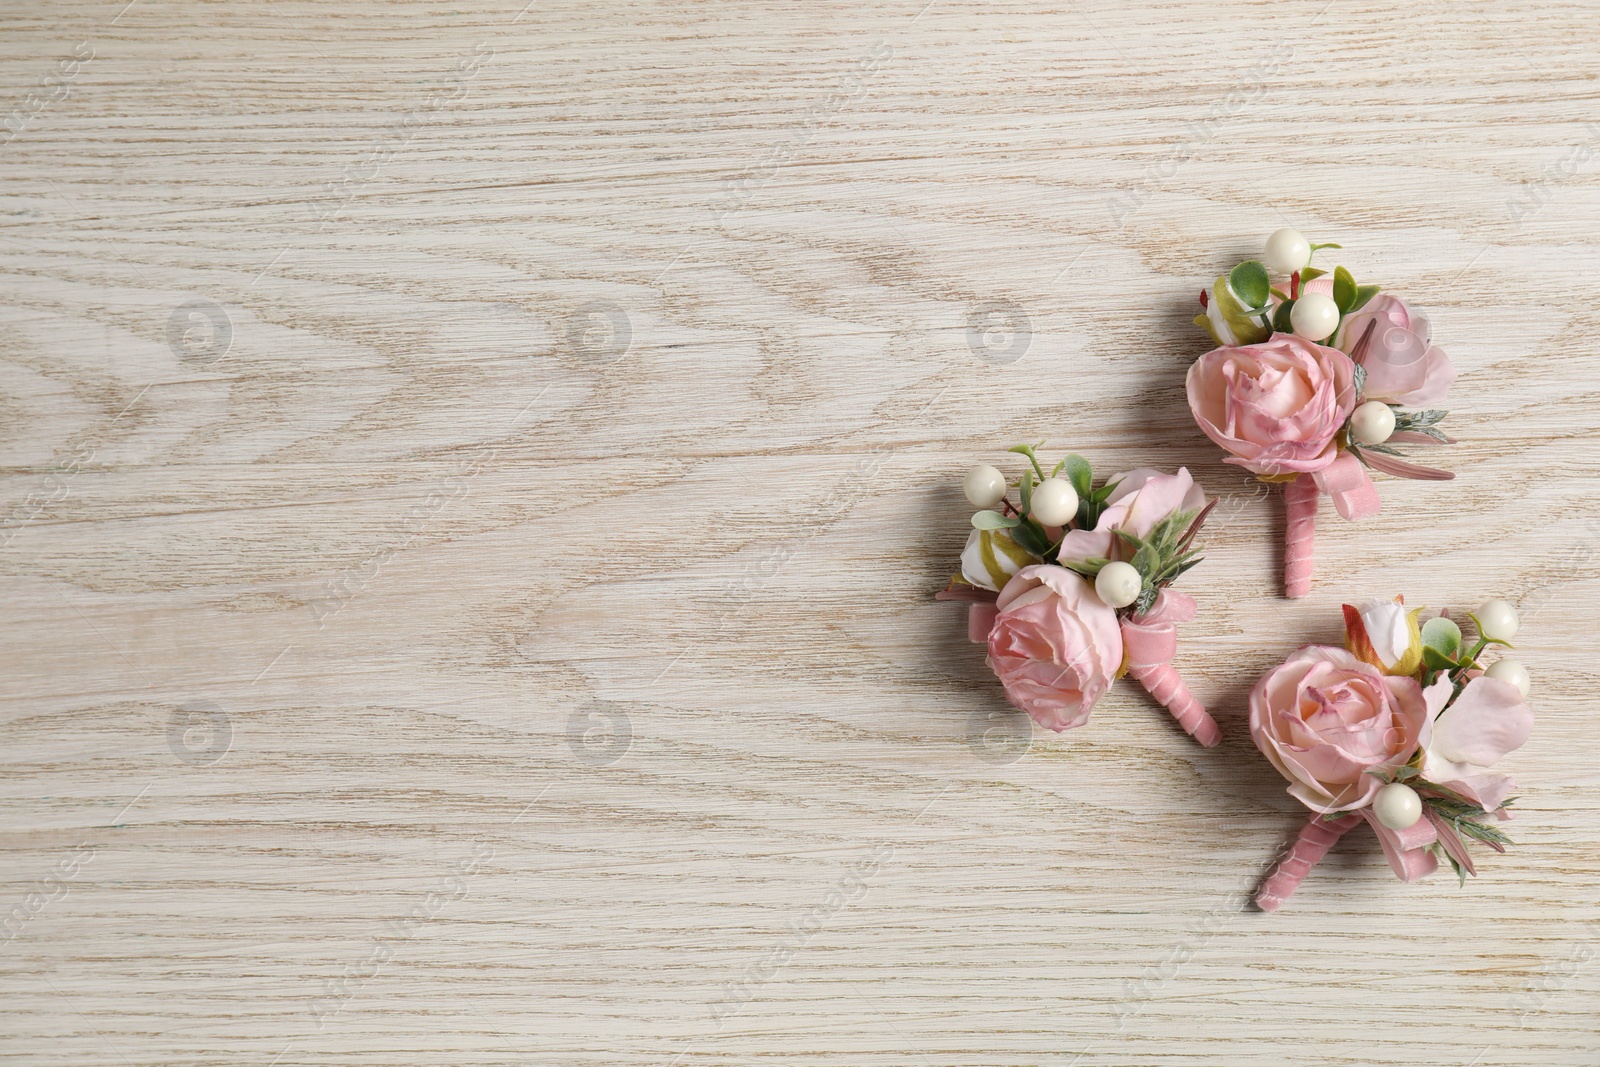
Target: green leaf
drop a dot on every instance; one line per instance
(1030, 537)
(1435, 660)
(1439, 851)
(1310, 274)
(1344, 290)
(1250, 283)
(1363, 294)
(1079, 473)
(1025, 487)
(1315, 248)
(1443, 636)
(993, 520)
(1145, 561)
(1280, 318)
(1090, 568)
(1416, 420)
(1027, 450)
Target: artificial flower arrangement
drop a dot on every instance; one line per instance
(1070, 587)
(1401, 729)
(1311, 383)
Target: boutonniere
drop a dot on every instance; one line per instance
(1070, 585)
(1401, 729)
(1316, 380)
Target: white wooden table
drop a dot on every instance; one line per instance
(474, 480)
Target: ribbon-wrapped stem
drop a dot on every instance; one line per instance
(1149, 642)
(1316, 837)
(1300, 533)
(1163, 682)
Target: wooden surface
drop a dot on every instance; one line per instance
(472, 483)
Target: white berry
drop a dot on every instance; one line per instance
(1498, 621)
(1509, 670)
(1372, 423)
(1314, 316)
(1054, 502)
(1397, 806)
(1287, 251)
(1118, 584)
(984, 485)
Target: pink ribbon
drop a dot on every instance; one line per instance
(1406, 850)
(1346, 481)
(980, 620)
(1151, 639)
(1148, 644)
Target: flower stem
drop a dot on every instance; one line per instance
(1316, 837)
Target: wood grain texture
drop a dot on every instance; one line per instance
(472, 482)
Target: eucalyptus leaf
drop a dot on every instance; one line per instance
(1344, 290)
(1250, 283)
(993, 520)
(1443, 636)
(1079, 473)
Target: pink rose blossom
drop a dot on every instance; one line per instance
(1277, 405)
(1054, 645)
(1402, 366)
(1141, 499)
(1325, 719)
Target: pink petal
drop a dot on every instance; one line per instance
(1486, 721)
(1400, 468)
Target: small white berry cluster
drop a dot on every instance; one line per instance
(1054, 503)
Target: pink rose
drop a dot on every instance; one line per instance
(1325, 719)
(1275, 405)
(1141, 499)
(1054, 645)
(1402, 366)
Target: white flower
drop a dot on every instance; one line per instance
(991, 558)
(1384, 634)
